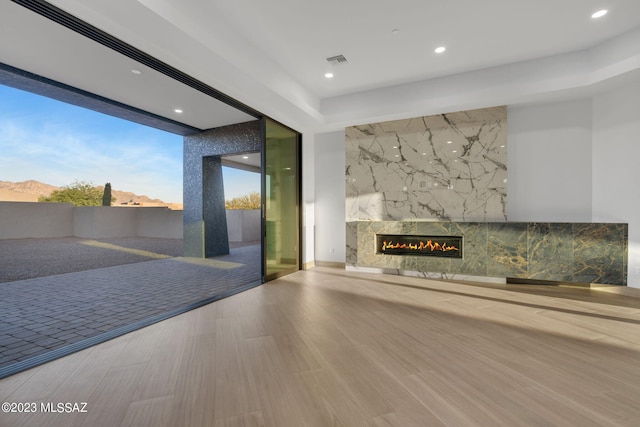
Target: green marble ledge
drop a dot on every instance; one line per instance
(564, 252)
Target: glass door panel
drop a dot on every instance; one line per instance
(281, 192)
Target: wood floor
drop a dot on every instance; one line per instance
(325, 347)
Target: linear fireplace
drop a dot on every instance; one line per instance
(437, 246)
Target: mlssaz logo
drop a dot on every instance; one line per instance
(64, 408)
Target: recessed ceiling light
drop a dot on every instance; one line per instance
(440, 49)
(136, 72)
(455, 151)
(328, 75)
(245, 157)
(178, 110)
(449, 142)
(599, 14)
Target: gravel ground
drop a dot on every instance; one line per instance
(28, 258)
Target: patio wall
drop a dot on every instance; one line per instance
(25, 220)
(243, 225)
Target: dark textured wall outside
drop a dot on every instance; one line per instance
(199, 203)
(214, 216)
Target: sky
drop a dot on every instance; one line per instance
(58, 143)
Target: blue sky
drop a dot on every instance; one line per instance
(58, 143)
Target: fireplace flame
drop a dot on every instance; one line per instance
(421, 246)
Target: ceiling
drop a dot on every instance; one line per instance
(272, 55)
(60, 54)
(247, 161)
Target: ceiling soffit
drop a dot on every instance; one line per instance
(161, 85)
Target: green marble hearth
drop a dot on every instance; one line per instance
(561, 252)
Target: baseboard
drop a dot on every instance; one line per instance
(330, 264)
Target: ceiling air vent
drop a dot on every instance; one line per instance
(337, 60)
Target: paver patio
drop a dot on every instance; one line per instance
(44, 314)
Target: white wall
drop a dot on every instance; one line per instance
(244, 225)
(330, 197)
(549, 162)
(104, 222)
(159, 222)
(19, 220)
(616, 165)
(308, 198)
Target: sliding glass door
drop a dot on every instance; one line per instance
(281, 200)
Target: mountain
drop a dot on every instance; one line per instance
(31, 188)
(29, 191)
(130, 198)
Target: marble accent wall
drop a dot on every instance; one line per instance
(448, 167)
(564, 252)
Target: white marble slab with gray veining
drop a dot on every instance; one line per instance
(449, 167)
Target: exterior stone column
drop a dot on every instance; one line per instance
(214, 218)
(205, 221)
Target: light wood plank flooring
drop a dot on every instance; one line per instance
(325, 347)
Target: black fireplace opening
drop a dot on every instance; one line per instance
(436, 246)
